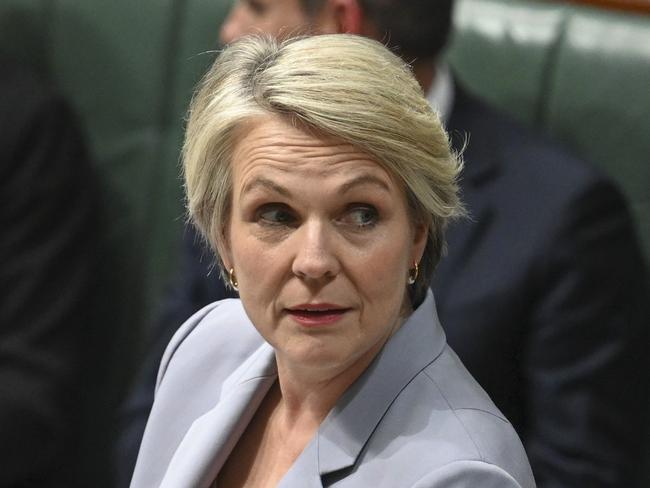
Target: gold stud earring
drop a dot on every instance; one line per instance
(413, 274)
(233, 279)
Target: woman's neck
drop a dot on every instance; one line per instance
(308, 394)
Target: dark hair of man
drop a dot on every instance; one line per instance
(414, 29)
(312, 7)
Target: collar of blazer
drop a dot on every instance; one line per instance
(344, 432)
(349, 425)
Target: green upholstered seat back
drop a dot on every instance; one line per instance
(599, 101)
(581, 75)
(501, 50)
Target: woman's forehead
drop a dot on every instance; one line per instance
(272, 145)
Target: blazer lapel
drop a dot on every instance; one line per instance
(304, 472)
(211, 438)
(349, 425)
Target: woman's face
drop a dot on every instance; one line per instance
(321, 241)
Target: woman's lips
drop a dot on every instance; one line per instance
(316, 315)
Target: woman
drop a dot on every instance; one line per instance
(317, 171)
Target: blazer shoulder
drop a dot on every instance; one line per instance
(219, 327)
(443, 419)
(458, 387)
(472, 411)
(470, 474)
(489, 440)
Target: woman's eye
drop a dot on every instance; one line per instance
(274, 215)
(362, 216)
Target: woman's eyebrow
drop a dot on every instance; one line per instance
(363, 180)
(265, 183)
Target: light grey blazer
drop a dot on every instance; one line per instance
(415, 418)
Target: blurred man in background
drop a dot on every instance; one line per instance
(542, 290)
(49, 216)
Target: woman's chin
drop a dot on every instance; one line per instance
(323, 358)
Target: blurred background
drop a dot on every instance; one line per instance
(577, 71)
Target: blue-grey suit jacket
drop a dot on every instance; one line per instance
(415, 418)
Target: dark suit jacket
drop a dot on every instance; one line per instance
(540, 296)
(49, 230)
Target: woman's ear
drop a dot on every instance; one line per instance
(223, 248)
(420, 236)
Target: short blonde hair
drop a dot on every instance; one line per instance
(345, 86)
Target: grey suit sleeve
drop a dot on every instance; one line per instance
(469, 474)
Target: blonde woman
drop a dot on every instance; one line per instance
(322, 179)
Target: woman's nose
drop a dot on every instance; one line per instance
(315, 258)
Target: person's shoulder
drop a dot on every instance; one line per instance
(520, 151)
(219, 331)
(469, 410)
(528, 173)
(458, 426)
(471, 473)
(205, 351)
(460, 391)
